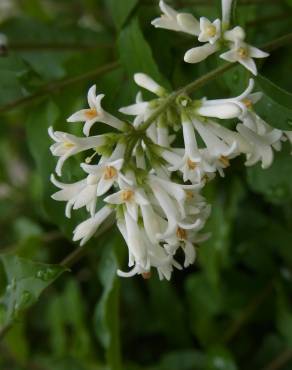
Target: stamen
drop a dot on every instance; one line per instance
(109, 172)
(181, 233)
(242, 53)
(225, 161)
(127, 195)
(189, 194)
(211, 31)
(247, 103)
(91, 113)
(89, 159)
(192, 165)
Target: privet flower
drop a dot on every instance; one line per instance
(156, 215)
(215, 35)
(140, 176)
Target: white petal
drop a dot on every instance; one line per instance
(135, 109)
(249, 64)
(257, 53)
(79, 116)
(222, 111)
(200, 53)
(104, 186)
(166, 9)
(230, 56)
(147, 83)
(188, 23)
(226, 11)
(235, 35)
(91, 96)
(115, 198)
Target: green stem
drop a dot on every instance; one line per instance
(195, 85)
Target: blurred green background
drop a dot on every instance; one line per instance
(233, 309)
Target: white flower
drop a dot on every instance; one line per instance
(131, 196)
(226, 12)
(78, 194)
(185, 239)
(148, 83)
(262, 145)
(87, 229)
(141, 109)
(143, 254)
(243, 53)
(170, 199)
(237, 107)
(67, 145)
(95, 113)
(197, 54)
(216, 147)
(235, 34)
(220, 110)
(106, 173)
(209, 32)
(172, 20)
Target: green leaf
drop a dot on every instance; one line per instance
(275, 107)
(214, 253)
(107, 309)
(136, 54)
(25, 280)
(205, 302)
(284, 315)
(67, 310)
(120, 10)
(275, 183)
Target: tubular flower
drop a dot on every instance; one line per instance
(215, 35)
(150, 177)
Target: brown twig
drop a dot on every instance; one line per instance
(14, 46)
(247, 312)
(281, 360)
(58, 85)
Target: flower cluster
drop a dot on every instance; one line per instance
(215, 35)
(143, 178)
(155, 214)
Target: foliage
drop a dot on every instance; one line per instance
(234, 309)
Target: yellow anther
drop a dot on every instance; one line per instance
(181, 233)
(192, 165)
(189, 194)
(242, 52)
(127, 195)
(109, 172)
(247, 103)
(211, 31)
(91, 113)
(224, 160)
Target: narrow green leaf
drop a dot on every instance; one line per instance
(136, 54)
(25, 282)
(275, 107)
(214, 253)
(120, 10)
(107, 309)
